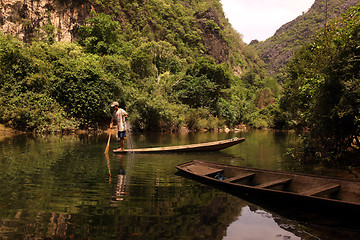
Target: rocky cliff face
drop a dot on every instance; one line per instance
(26, 18)
(60, 20)
(277, 50)
(215, 45)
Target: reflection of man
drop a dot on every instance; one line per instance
(120, 190)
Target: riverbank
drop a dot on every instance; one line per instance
(6, 132)
(9, 132)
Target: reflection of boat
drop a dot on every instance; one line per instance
(299, 193)
(209, 146)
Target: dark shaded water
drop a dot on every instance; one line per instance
(57, 187)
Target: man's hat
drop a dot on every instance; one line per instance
(114, 104)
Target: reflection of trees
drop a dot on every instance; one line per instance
(58, 187)
(216, 217)
(41, 169)
(59, 226)
(197, 214)
(189, 219)
(265, 148)
(45, 225)
(42, 175)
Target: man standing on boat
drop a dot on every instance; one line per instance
(119, 116)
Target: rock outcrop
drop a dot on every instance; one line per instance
(28, 18)
(210, 26)
(277, 51)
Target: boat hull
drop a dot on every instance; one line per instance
(311, 209)
(210, 146)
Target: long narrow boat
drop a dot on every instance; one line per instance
(209, 146)
(336, 197)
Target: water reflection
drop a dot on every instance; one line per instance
(120, 190)
(62, 187)
(123, 177)
(108, 166)
(254, 223)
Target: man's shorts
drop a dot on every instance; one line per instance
(121, 134)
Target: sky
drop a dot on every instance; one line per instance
(259, 19)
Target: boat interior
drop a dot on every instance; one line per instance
(307, 185)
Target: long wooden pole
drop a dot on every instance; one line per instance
(108, 144)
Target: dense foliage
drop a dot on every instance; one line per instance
(169, 65)
(174, 64)
(323, 92)
(52, 87)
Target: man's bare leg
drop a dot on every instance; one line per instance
(122, 141)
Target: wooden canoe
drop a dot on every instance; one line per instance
(314, 193)
(209, 146)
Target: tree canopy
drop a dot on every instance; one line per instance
(323, 91)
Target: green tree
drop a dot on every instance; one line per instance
(101, 34)
(323, 92)
(204, 83)
(154, 58)
(25, 101)
(83, 89)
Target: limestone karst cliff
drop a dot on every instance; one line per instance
(37, 19)
(27, 18)
(278, 49)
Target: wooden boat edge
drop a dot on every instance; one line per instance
(269, 190)
(271, 171)
(221, 144)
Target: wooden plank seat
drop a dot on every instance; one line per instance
(274, 183)
(325, 189)
(201, 170)
(239, 177)
(213, 171)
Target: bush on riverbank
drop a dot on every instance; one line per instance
(55, 86)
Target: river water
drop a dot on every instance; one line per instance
(64, 187)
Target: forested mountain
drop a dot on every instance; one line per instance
(179, 64)
(199, 25)
(170, 63)
(278, 49)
